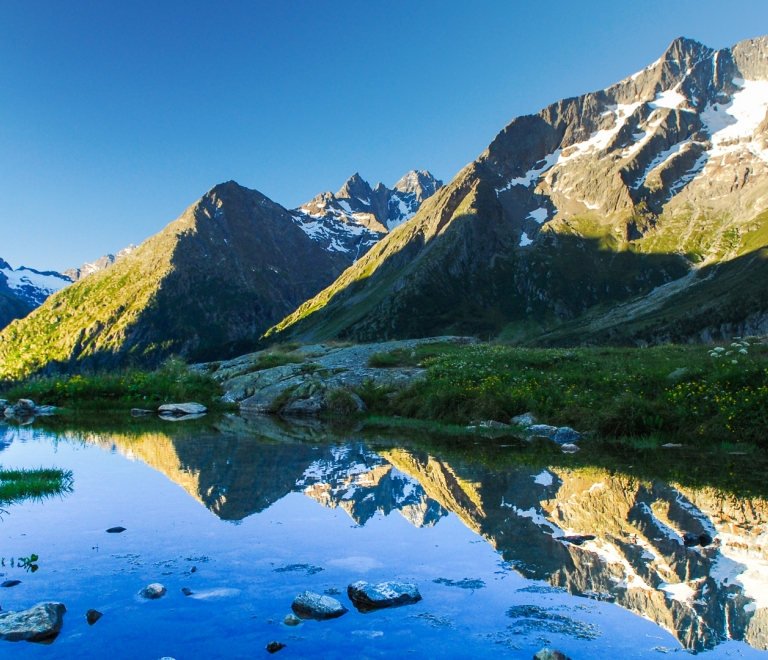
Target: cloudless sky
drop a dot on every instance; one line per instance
(115, 116)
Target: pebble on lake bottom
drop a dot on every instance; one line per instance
(274, 647)
(10, 583)
(187, 591)
(291, 620)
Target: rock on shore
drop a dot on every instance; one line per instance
(311, 386)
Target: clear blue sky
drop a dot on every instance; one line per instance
(115, 116)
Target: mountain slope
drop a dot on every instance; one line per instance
(233, 263)
(594, 201)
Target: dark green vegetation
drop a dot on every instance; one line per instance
(20, 485)
(127, 388)
(651, 396)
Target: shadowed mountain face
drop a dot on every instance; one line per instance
(637, 557)
(596, 200)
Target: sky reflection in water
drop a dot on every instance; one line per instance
(360, 513)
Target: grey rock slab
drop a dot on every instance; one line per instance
(182, 409)
(25, 404)
(309, 605)
(333, 366)
(45, 411)
(367, 597)
(313, 405)
(569, 448)
(40, 623)
(153, 591)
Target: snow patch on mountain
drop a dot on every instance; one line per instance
(33, 286)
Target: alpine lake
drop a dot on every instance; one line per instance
(513, 546)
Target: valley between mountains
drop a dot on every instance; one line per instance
(634, 215)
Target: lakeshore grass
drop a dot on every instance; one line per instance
(653, 395)
(122, 389)
(20, 485)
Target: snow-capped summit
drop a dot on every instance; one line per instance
(77, 274)
(30, 285)
(358, 216)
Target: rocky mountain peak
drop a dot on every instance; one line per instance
(419, 182)
(356, 188)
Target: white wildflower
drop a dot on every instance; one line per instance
(743, 351)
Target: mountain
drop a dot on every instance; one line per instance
(233, 264)
(77, 274)
(358, 216)
(632, 214)
(23, 289)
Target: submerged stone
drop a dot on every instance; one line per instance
(550, 654)
(291, 620)
(10, 583)
(309, 605)
(274, 647)
(153, 591)
(116, 530)
(367, 597)
(41, 623)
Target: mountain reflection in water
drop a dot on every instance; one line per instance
(703, 595)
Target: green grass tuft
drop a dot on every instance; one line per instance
(20, 485)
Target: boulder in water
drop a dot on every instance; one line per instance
(309, 605)
(41, 623)
(368, 597)
(153, 591)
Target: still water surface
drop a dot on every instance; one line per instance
(246, 514)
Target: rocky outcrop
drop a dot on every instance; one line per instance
(322, 377)
(41, 623)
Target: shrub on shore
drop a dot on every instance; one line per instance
(121, 389)
(680, 391)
